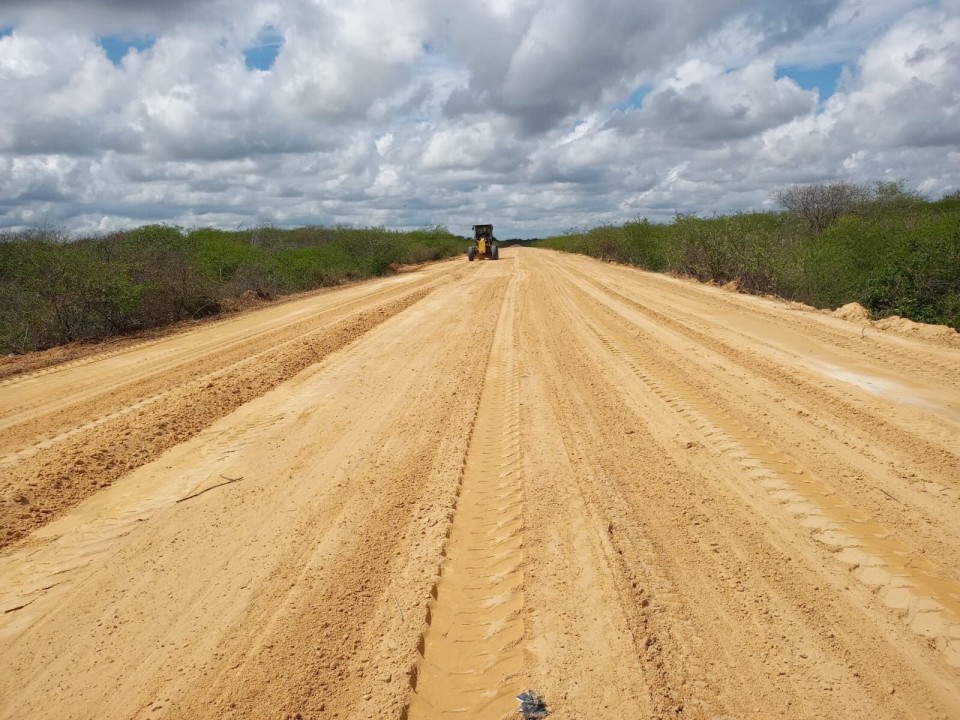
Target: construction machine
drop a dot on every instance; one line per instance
(484, 244)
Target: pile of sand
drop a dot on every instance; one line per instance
(855, 312)
(904, 326)
(852, 311)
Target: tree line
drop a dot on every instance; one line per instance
(884, 246)
(55, 289)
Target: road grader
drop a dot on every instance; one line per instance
(484, 244)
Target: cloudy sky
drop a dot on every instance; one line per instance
(536, 115)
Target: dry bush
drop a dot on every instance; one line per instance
(820, 205)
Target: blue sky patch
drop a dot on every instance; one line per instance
(116, 46)
(262, 55)
(5, 30)
(636, 98)
(823, 78)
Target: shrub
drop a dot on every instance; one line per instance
(886, 247)
(820, 205)
(53, 290)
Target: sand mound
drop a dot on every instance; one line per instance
(852, 311)
(856, 312)
(732, 286)
(904, 326)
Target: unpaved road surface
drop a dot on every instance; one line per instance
(419, 496)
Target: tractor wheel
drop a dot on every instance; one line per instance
(471, 253)
(494, 253)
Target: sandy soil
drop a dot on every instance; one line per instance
(420, 496)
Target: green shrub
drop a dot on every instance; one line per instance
(920, 275)
(53, 290)
(886, 247)
(639, 243)
(218, 254)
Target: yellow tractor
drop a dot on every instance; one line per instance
(484, 244)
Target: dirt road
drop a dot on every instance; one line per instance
(419, 496)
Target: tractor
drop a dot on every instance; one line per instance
(484, 244)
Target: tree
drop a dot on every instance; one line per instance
(895, 191)
(820, 205)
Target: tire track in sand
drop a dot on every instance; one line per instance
(471, 654)
(927, 601)
(61, 476)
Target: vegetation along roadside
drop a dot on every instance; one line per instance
(55, 290)
(885, 247)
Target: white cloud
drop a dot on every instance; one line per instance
(702, 104)
(426, 112)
